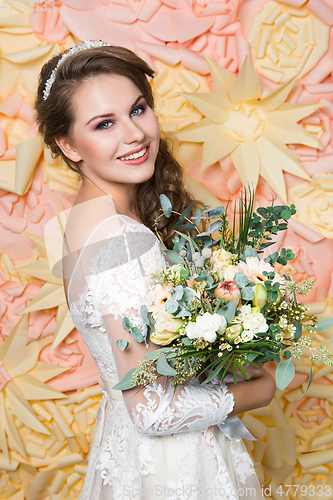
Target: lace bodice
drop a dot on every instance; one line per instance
(112, 279)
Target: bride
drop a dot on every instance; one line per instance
(95, 109)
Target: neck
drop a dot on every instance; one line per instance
(122, 195)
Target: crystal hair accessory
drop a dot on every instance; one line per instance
(88, 44)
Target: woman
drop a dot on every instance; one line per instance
(95, 109)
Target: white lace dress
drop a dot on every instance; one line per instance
(151, 443)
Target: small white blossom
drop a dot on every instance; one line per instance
(200, 262)
(196, 255)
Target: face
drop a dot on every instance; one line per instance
(115, 134)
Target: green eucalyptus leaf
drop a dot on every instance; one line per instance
(215, 212)
(247, 293)
(122, 344)
(163, 367)
(186, 212)
(249, 252)
(174, 257)
(137, 335)
(166, 205)
(171, 306)
(241, 280)
(154, 354)
(127, 324)
(298, 332)
(284, 374)
(177, 293)
(144, 314)
(228, 311)
(126, 382)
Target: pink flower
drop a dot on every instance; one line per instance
(229, 291)
(47, 24)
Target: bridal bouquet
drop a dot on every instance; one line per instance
(221, 306)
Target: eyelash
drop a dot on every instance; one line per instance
(141, 108)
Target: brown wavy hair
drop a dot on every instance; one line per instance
(55, 117)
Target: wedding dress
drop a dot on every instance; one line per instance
(154, 442)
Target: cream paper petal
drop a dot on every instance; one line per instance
(11, 430)
(34, 389)
(276, 98)
(45, 371)
(64, 325)
(3, 440)
(16, 340)
(223, 81)
(215, 150)
(289, 132)
(204, 130)
(29, 55)
(288, 161)
(27, 155)
(21, 407)
(244, 155)
(207, 104)
(40, 269)
(247, 86)
(50, 295)
(270, 168)
(23, 360)
(295, 112)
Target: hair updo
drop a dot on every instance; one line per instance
(55, 117)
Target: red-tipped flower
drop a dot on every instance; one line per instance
(229, 291)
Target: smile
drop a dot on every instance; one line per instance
(134, 156)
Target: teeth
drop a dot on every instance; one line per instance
(134, 155)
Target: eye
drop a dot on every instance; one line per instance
(104, 124)
(138, 110)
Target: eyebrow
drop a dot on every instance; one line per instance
(109, 115)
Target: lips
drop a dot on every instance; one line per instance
(136, 156)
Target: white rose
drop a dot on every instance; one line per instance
(258, 323)
(193, 331)
(245, 314)
(223, 326)
(247, 335)
(209, 324)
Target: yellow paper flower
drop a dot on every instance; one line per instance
(286, 41)
(22, 379)
(52, 293)
(173, 110)
(314, 203)
(252, 130)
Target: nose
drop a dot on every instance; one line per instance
(132, 132)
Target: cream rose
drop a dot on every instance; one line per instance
(165, 328)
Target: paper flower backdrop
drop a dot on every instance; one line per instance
(253, 131)
(238, 123)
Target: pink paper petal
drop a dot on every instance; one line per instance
(11, 197)
(53, 19)
(3, 308)
(12, 105)
(3, 142)
(120, 14)
(174, 4)
(305, 232)
(193, 61)
(26, 112)
(13, 223)
(19, 208)
(10, 154)
(199, 44)
(321, 10)
(35, 214)
(7, 206)
(149, 9)
(164, 53)
(16, 291)
(36, 186)
(94, 25)
(37, 20)
(32, 199)
(214, 9)
(160, 27)
(188, 26)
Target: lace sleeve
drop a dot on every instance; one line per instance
(119, 284)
